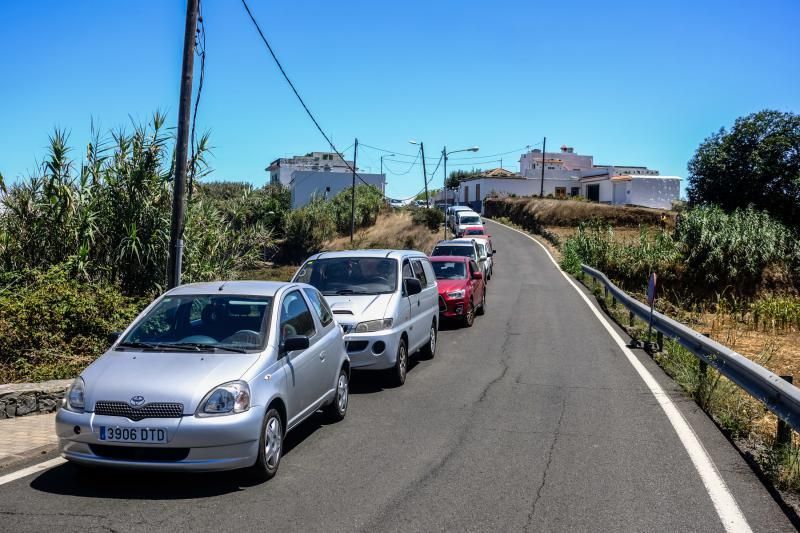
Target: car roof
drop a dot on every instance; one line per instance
(460, 208)
(254, 288)
(389, 254)
(467, 228)
(455, 242)
(449, 258)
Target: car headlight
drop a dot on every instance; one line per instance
(226, 399)
(75, 397)
(456, 294)
(373, 325)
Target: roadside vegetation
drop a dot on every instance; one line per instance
(84, 241)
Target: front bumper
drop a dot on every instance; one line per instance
(193, 444)
(362, 348)
(453, 308)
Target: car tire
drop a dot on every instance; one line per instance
(337, 409)
(429, 350)
(401, 365)
(270, 447)
(469, 318)
(482, 309)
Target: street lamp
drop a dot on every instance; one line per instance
(445, 153)
(424, 171)
(388, 155)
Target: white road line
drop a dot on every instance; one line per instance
(724, 503)
(34, 469)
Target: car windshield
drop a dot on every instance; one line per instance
(203, 322)
(481, 250)
(460, 250)
(350, 275)
(470, 219)
(449, 270)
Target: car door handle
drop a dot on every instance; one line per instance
(321, 356)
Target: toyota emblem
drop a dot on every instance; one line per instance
(137, 401)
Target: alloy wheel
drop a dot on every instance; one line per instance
(273, 442)
(342, 392)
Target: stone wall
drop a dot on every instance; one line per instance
(20, 399)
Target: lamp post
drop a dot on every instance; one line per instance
(388, 155)
(445, 153)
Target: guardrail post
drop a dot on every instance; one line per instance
(784, 433)
(702, 378)
(660, 341)
(605, 292)
(631, 317)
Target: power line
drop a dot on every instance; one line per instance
(410, 167)
(200, 50)
(300, 98)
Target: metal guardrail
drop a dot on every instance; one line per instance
(778, 395)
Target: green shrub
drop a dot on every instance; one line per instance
(733, 249)
(369, 202)
(306, 229)
(52, 325)
(431, 218)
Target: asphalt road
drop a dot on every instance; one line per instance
(533, 419)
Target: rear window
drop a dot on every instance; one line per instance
(449, 270)
(462, 251)
(470, 219)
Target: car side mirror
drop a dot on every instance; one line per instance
(494, 251)
(413, 286)
(477, 275)
(113, 336)
(294, 342)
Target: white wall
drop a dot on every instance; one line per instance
(654, 192)
(307, 184)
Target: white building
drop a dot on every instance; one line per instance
(280, 170)
(569, 174)
(307, 184)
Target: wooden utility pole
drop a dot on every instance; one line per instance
(353, 195)
(544, 149)
(182, 149)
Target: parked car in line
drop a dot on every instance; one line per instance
(465, 219)
(462, 291)
(459, 247)
(485, 254)
(385, 301)
(397, 204)
(210, 376)
(478, 230)
(451, 213)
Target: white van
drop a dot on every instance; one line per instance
(386, 302)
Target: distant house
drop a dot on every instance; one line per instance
(569, 174)
(307, 184)
(280, 170)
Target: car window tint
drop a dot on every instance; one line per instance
(419, 273)
(473, 267)
(426, 265)
(320, 306)
(296, 318)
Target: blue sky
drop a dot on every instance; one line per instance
(629, 82)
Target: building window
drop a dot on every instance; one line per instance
(561, 192)
(575, 191)
(466, 193)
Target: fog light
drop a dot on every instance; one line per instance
(378, 347)
(77, 430)
(460, 310)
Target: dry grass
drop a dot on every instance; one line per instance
(570, 213)
(393, 230)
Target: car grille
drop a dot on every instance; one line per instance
(148, 410)
(356, 346)
(139, 453)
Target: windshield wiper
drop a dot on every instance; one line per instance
(349, 291)
(200, 347)
(135, 344)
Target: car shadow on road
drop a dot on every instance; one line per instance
(70, 480)
(373, 381)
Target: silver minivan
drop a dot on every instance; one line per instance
(211, 376)
(386, 302)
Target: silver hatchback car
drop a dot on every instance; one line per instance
(210, 376)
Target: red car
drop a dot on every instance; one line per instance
(462, 290)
